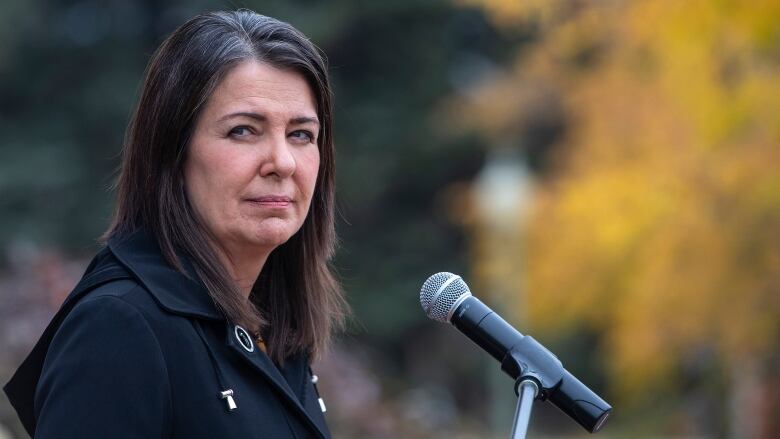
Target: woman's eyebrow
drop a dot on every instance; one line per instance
(257, 116)
(262, 118)
(304, 119)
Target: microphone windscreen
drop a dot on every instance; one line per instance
(440, 293)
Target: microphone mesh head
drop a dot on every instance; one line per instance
(439, 293)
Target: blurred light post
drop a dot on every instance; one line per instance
(502, 198)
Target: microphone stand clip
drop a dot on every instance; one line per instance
(539, 374)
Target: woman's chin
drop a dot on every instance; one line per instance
(271, 237)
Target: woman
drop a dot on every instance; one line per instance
(213, 294)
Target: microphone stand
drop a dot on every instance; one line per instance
(526, 390)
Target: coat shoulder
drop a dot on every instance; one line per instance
(103, 360)
(133, 295)
(128, 291)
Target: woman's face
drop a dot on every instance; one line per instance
(253, 159)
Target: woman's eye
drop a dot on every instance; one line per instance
(240, 131)
(303, 136)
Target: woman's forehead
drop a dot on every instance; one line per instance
(259, 87)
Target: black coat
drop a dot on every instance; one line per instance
(139, 350)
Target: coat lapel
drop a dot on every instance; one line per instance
(311, 401)
(262, 364)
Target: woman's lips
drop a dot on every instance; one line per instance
(278, 201)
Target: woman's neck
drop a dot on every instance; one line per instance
(244, 270)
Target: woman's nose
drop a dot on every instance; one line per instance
(279, 160)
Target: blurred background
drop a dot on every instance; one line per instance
(604, 173)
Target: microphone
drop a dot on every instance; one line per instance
(445, 297)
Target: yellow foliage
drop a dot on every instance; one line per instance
(659, 226)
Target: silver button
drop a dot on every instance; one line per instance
(244, 339)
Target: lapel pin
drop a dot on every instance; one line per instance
(244, 339)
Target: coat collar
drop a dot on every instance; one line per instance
(174, 291)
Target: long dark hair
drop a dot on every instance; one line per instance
(296, 301)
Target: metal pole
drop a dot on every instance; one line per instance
(526, 394)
